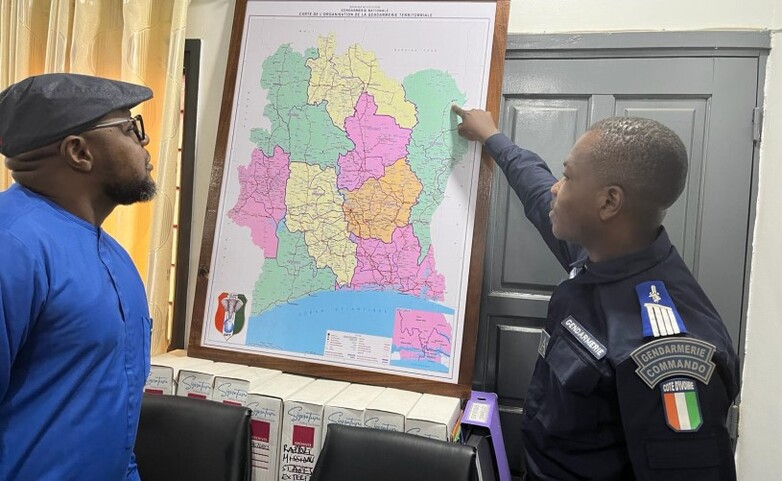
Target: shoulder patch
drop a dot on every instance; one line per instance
(681, 405)
(659, 316)
(678, 356)
(585, 337)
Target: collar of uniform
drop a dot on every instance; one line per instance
(625, 266)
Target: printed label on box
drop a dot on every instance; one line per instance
(260, 430)
(160, 380)
(384, 421)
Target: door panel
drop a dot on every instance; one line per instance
(518, 346)
(548, 126)
(686, 117)
(547, 105)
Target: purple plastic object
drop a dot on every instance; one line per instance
(482, 410)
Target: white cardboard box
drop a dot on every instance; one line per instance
(302, 425)
(197, 381)
(266, 403)
(348, 406)
(163, 371)
(434, 417)
(389, 410)
(232, 387)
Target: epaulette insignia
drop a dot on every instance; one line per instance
(659, 316)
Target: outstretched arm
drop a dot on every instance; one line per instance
(527, 174)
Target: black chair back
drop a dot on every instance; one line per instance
(192, 440)
(356, 453)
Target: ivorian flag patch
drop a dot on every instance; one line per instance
(682, 409)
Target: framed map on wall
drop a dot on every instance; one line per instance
(346, 218)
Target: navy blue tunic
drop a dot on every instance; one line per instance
(636, 370)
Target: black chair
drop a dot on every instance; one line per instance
(356, 453)
(192, 439)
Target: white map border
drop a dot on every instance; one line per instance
(468, 50)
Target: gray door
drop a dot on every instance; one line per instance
(547, 104)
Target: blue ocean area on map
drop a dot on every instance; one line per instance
(301, 325)
(420, 364)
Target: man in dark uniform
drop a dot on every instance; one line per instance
(636, 370)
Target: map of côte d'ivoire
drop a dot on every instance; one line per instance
(346, 221)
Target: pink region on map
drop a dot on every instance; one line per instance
(395, 266)
(261, 203)
(379, 143)
(422, 335)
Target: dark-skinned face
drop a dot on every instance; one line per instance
(575, 210)
(122, 161)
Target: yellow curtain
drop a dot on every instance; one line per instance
(139, 41)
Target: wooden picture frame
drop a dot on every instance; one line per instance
(472, 309)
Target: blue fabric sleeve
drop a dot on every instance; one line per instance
(531, 179)
(23, 289)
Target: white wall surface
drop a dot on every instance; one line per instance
(760, 426)
(553, 16)
(761, 419)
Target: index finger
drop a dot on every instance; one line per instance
(458, 110)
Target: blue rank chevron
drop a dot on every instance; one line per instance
(659, 316)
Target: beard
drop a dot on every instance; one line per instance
(131, 192)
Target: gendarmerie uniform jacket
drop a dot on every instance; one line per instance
(636, 370)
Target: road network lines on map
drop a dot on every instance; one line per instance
(343, 184)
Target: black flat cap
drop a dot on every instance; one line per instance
(43, 109)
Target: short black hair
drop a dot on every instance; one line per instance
(646, 158)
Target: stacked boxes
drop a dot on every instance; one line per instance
(198, 381)
(290, 413)
(434, 417)
(348, 406)
(232, 387)
(389, 410)
(266, 403)
(302, 428)
(163, 372)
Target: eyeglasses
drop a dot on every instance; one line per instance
(136, 122)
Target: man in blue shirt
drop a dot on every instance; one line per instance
(636, 370)
(74, 322)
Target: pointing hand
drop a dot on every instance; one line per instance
(476, 124)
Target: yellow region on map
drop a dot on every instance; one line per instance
(379, 206)
(340, 79)
(315, 208)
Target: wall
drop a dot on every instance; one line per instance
(554, 16)
(761, 418)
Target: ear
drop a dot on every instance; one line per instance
(612, 198)
(76, 153)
